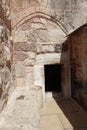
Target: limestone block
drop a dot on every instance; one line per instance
(20, 56)
(58, 4)
(47, 48)
(48, 58)
(20, 82)
(29, 69)
(7, 53)
(20, 37)
(20, 70)
(39, 79)
(39, 75)
(40, 97)
(36, 26)
(29, 81)
(29, 62)
(38, 90)
(56, 35)
(6, 75)
(31, 55)
(25, 47)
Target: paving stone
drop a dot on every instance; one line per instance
(51, 122)
(22, 111)
(51, 108)
(65, 122)
(73, 119)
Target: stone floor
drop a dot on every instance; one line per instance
(21, 112)
(61, 114)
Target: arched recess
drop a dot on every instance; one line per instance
(39, 15)
(43, 35)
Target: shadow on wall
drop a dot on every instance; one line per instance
(78, 56)
(73, 112)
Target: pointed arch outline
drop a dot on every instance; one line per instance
(39, 15)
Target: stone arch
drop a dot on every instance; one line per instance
(45, 43)
(42, 15)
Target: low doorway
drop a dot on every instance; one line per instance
(52, 78)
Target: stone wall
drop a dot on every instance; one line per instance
(35, 37)
(5, 5)
(78, 54)
(6, 60)
(39, 29)
(79, 64)
(70, 13)
(39, 41)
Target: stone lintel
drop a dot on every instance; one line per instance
(47, 58)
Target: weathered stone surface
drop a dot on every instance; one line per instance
(29, 69)
(7, 53)
(51, 32)
(29, 81)
(47, 49)
(20, 82)
(2, 62)
(5, 5)
(25, 47)
(39, 28)
(6, 75)
(48, 58)
(31, 55)
(20, 56)
(66, 12)
(29, 62)
(58, 48)
(2, 31)
(6, 79)
(23, 104)
(20, 69)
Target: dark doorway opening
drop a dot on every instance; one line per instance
(52, 78)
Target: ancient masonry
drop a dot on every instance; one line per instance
(35, 33)
(6, 55)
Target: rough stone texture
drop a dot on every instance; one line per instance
(35, 42)
(45, 48)
(68, 12)
(5, 6)
(6, 59)
(22, 111)
(39, 30)
(26, 47)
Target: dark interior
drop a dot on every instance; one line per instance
(53, 78)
